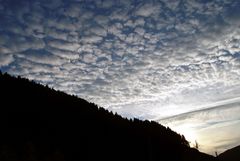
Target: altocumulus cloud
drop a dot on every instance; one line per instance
(148, 59)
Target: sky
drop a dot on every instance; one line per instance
(173, 61)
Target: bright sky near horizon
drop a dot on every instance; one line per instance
(173, 61)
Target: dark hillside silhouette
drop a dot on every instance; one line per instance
(230, 155)
(40, 124)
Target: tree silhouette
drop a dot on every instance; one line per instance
(196, 144)
(39, 123)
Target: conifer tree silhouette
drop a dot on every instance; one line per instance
(40, 123)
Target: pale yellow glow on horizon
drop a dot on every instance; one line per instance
(188, 132)
(215, 126)
(210, 139)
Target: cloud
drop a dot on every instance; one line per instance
(217, 122)
(63, 45)
(91, 39)
(148, 9)
(41, 56)
(6, 59)
(145, 59)
(66, 54)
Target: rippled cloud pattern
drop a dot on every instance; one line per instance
(147, 59)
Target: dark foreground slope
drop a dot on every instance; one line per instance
(230, 155)
(40, 124)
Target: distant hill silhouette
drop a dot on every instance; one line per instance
(230, 155)
(41, 124)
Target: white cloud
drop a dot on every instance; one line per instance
(74, 10)
(66, 23)
(72, 55)
(218, 122)
(63, 45)
(5, 59)
(19, 44)
(91, 39)
(150, 60)
(89, 58)
(140, 31)
(102, 20)
(98, 31)
(42, 57)
(107, 3)
(172, 4)
(5, 50)
(148, 9)
(56, 33)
